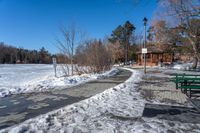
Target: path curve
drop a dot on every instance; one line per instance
(18, 108)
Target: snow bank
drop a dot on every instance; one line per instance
(15, 79)
(185, 66)
(94, 114)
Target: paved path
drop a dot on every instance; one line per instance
(156, 85)
(18, 108)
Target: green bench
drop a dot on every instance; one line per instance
(187, 82)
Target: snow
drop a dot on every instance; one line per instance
(18, 75)
(185, 66)
(118, 109)
(16, 79)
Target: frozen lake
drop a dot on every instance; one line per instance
(17, 75)
(22, 78)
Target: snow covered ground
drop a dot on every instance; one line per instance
(15, 79)
(185, 66)
(118, 109)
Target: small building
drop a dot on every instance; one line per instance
(18, 62)
(154, 56)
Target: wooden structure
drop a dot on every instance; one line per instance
(154, 56)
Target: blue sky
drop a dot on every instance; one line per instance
(32, 24)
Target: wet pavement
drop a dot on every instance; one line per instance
(15, 109)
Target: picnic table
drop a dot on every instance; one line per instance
(188, 83)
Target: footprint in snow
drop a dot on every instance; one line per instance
(72, 81)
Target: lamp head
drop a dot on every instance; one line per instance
(145, 21)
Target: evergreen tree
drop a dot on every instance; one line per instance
(123, 34)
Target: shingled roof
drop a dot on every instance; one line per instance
(152, 49)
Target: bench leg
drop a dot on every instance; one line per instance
(190, 92)
(185, 91)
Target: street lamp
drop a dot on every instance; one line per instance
(145, 23)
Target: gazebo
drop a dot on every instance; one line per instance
(154, 56)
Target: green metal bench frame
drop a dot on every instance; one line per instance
(187, 82)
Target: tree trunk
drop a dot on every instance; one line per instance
(196, 53)
(72, 58)
(126, 60)
(195, 62)
(72, 67)
(124, 54)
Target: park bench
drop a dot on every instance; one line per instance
(187, 83)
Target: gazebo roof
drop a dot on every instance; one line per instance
(152, 49)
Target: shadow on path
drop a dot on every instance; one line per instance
(172, 113)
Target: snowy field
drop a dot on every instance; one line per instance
(20, 75)
(20, 78)
(118, 109)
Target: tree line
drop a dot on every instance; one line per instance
(12, 55)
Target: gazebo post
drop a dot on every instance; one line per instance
(151, 58)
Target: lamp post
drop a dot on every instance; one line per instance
(145, 23)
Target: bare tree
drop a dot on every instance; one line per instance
(94, 55)
(67, 45)
(186, 13)
(116, 51)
